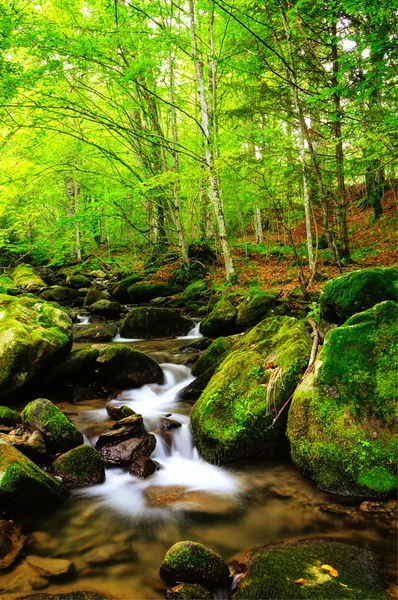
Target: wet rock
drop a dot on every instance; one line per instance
(11, 542)
(143, 467)
(9, 417)
(81, 466)
(197, 346)
(59, 432)
(122, 367)
(60, 293)
(141, 293)
(31, 333)
(124, 429)
(275, 571)
(188, 591)
(78, 281)
(93, 296)
(192, 391)
(221, 320)
(148, 322)
(167, 424)
(30, 444)
(105, 309)
(24, 484)
(125, 452)
(109, 553)
(190, 562)
(52, 568)
(79, 366)
(94, 332)
(119, 412)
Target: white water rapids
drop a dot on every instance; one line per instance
(181, 466)
(192, 334)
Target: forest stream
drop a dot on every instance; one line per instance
(116, 533)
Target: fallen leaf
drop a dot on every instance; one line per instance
(332, 571)
(300, 581)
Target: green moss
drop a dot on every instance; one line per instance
(120, 290)
(195, 291)
(212, 356)
(221, 320)
(122, 367)
(357, 291)
(24, 483)
(270, 570)
(25, 277)
(231, 420)
(140, 293)
(80, 466)
(149, 322)
(189, 591)
(255, 307)
(342, 419)
(105, 308)
(60, 434)
(78, 281)
(93, 296)
(9, 417)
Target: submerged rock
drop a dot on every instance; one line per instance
(59, 432)
(311, 569)
(81, 466)
(31, 333)
(221, 320)
(11, 542)
(232, 419)
(23, 484)
(190, 562)
(148, 322)
(94, 332)
(351, 293)
(342, 419)
(122, 367)
(52, 568)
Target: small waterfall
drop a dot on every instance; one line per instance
(194, 333)
(118, 338)
(83, 320)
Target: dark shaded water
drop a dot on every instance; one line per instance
(116, 534)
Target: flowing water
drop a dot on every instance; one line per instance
(117, 533)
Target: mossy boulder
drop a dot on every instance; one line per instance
(60, 293)
(142, 293)
(59, 432)
(354, 292)
(5, 284)
(188, 591)
(105, 309)
(254, 308)
(303, 570)
(94, 332)
(342, 420)
(79, 365)
(23, 484)
(190, 562)
(148, 322)
(31, 333)
(93, 296)
(122, 367)
(80, 466)
(231, 421)
(120, 290)
(221, 320)
(24, 276)
(212, 356)
(78, 281)
(9, 417)
(195, 291)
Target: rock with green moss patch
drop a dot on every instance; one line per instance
(212, 356)
(79, 365)
(23, 484)
(148, 322)
(59, 432)
(60, 293)
(105, 309)
(188, 591)
(221, 320)
(93, 296)
(302, 570)
(190, 562)
(121, 367)
(254, 308)
(80, 466)
(354, 292)
(232, 419)
(5, 284)
(342, 421)
(94, 332)
(24, 276)
(31, 333)
(78, 281)
(195, 291)
(120, 290)
(141, 293)
(9, 417)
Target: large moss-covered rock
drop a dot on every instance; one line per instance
(93, 296)
(342, 421)
(148, 322)
(31, 333)
(190, 562)
(59, 433)
(80, 466)
(122, 367)
(195, 291)
(311, 569)
(23, 484)
(9, 417)
(120, 290)
(347, 294)
(79, 365)
(254, 308)
(78, 281)
(212, 356)
(221, 320)
(5, 283)
(24, 276)
(94, 332)
(232, 418)
(105, 309)
(60, 293)
(141, 293)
